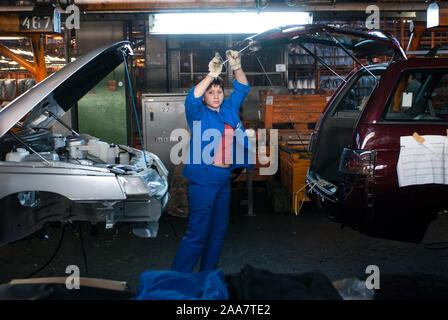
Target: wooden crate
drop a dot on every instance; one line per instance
(301, 110)
(256, 173)
(293, 138)
(294, 162)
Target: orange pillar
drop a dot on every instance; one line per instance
(39, 57)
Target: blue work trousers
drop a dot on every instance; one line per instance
(208, 219)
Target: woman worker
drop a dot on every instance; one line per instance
(209, 183)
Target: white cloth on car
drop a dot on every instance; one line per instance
(423, 163)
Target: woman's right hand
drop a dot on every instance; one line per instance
(215, 66)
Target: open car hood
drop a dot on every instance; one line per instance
(363, 44)
(61, 90)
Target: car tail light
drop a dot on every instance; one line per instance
(357, 162)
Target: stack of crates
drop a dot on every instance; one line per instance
(294, 162)
(302, 111)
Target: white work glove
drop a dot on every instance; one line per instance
(234, 59)
(215, 66)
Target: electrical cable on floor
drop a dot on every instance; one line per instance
(52, 256)
(296, 195)
(84, 256)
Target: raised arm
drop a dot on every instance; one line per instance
(235, 63)
(240, 84)
(214, 68)
(240, 76)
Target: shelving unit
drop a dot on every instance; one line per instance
(136, 33)
(305, 74)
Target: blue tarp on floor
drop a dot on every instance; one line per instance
(173, 285)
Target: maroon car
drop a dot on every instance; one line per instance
(380, 148)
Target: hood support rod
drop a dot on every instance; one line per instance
(321, 61)
(340, 45)
(51, 114)
(125, 61)
(20, 140)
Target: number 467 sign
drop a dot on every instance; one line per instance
(49, 20)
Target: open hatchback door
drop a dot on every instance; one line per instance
(364, 44)
(366, 130)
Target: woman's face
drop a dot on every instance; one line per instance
(214, 96)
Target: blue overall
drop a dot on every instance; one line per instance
(209, 185)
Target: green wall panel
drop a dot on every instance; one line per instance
(102, 112)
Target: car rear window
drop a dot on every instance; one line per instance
(356, 97)
(420, 95)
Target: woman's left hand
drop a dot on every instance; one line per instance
(234, 59)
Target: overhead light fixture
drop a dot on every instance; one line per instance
(11, 38)
(224, 23)
(22, 52)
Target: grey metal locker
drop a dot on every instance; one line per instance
(162, 113)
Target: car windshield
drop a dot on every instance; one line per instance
(420, 95)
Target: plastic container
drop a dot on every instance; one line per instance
(17, 156)
(124, 157)
(94, 147)
(112, 154)
(103, 147)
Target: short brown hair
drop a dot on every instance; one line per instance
(217, 82)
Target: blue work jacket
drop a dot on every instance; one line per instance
(200, 118)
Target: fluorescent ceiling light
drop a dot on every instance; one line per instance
(11, 38)
(22, 52)
(224, 23)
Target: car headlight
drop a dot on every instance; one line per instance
(157, 185)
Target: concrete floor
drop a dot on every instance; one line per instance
(281, 243)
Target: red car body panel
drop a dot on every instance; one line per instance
(370, 203)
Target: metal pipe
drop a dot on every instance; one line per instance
(340, 45)
(321, 61)
(39, 57)
(4, 51)
(224, 62)
(51, 114)
(28, 147)
(120, 5)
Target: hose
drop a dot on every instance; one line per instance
(52, 256)
(135, 109)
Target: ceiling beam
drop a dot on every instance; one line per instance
(151, 6)
(351, 6)
(136, 5)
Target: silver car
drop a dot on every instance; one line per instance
(46, 176)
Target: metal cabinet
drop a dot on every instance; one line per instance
(162, 113)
